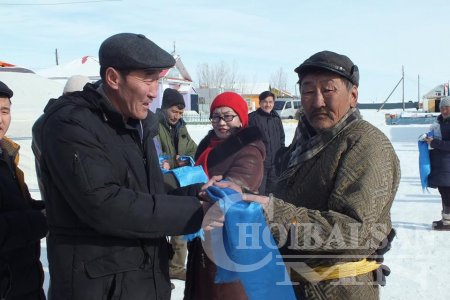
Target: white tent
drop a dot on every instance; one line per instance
(31, 94)
(86, 65)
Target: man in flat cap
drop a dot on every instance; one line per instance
(97, 164)
(22, 222)
(331, 208)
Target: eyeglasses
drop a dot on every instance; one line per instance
(226, 118)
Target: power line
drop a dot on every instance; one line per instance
(56, 3)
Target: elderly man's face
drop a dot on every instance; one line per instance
(326, 99)
(445, 111)
(5, 115)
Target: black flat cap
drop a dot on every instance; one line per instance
(5, 90)
(331, 61)
(132, 51)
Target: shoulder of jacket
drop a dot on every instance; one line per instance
(248, 134)
(362, 131)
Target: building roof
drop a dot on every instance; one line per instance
(432, 93)
(177, 73)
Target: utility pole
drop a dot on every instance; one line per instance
(403, 87)
(56, 56)
(418, 89)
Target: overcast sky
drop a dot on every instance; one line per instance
(258, 36)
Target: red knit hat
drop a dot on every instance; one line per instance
(235, 102)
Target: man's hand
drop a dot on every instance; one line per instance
(263, 200)
(213, 216)
(165, 165)
(182, 163)
(210, 182)
(228, 184)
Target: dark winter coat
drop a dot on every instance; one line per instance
(273, 137)
(440, 156)
(107, 212)
(239, 159)
(22, 225)
(272, 131)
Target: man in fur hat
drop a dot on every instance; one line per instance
(331, 207)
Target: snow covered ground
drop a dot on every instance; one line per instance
(419, 258)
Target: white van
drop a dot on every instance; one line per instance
(287, 108)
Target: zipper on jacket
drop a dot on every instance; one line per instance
(141, 147)
(146, 259)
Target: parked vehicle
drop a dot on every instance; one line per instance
(287, 108)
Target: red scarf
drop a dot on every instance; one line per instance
(202, 160)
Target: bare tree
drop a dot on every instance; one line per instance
(220, 75)
(279, 79)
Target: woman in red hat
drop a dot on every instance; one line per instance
(237, 153)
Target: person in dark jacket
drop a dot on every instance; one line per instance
(22, 221)
(236, 152)
(174, 140)
(440, 162)
(269, 122)
(107, 210)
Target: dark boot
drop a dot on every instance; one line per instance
(443, 224)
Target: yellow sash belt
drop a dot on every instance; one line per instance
(343, 270)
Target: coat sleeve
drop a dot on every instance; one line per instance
(21, 228)
(79, 168)
(440, 144)
(359, 203)
(247, 167)
(191, 146)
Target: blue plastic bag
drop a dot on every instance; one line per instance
(187, 175)
(244, 249)
(424, 163)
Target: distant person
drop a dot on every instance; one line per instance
(175, 141)
(107, 209)
(331, 207)
(173, 137)
(269, 123)
(235, 151)
(22, 221)
(440, 161)
(75, 83)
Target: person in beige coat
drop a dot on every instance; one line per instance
(331, 208)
